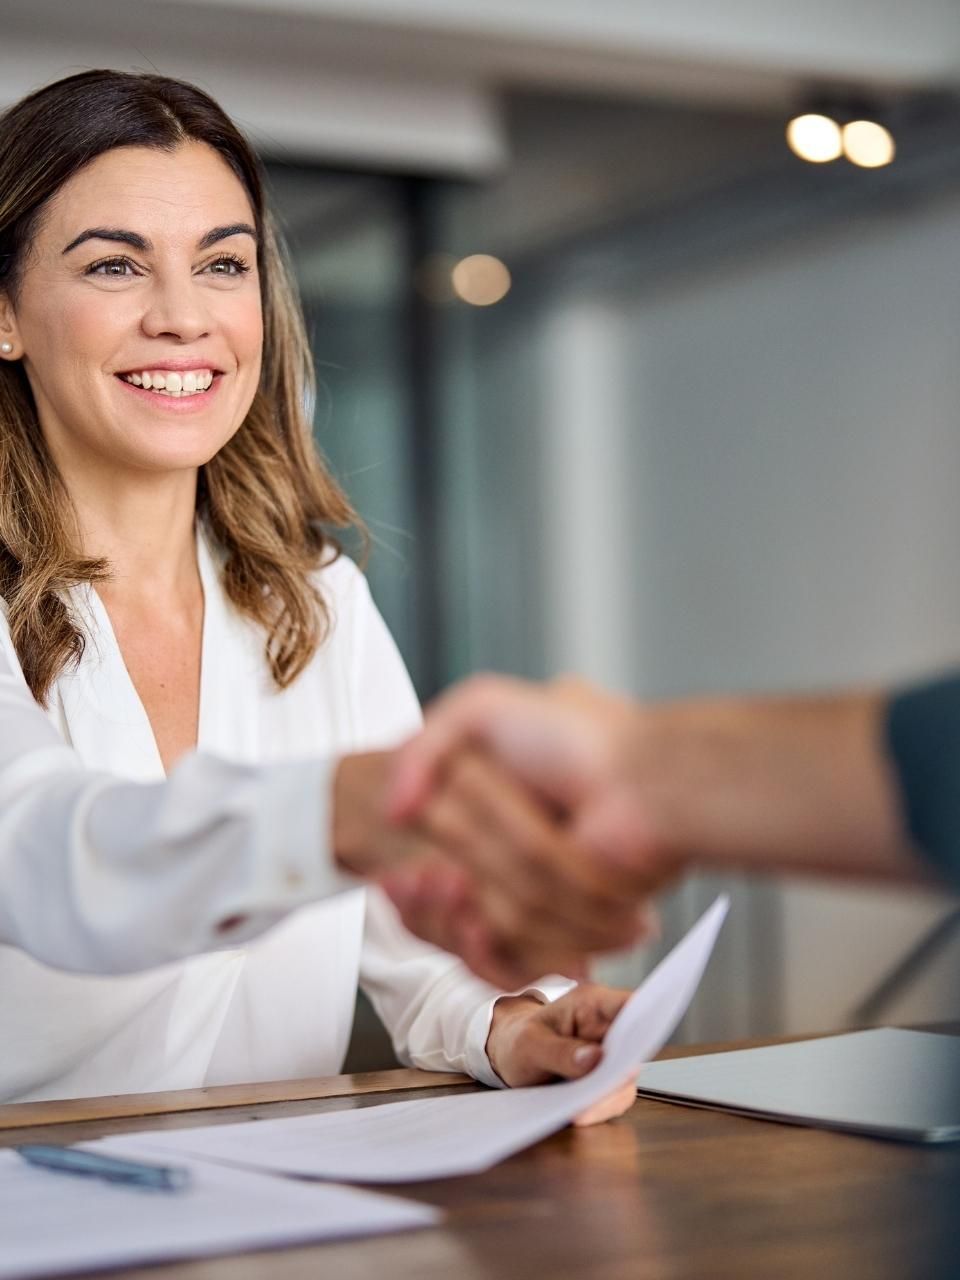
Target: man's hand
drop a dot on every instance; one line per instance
(789, 784)
(475, 871)
(578, 750)
(565, 740)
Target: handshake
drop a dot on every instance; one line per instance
(527, 827)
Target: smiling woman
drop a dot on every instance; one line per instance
(190, 268)
(173, 299)
(196, 689)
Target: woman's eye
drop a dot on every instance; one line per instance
(114, 268)
(228, 266)
(124, 269)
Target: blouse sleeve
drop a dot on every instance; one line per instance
(105, 876)
(437, 1013)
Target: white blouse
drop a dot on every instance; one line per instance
(166, 933)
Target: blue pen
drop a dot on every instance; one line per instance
(89, 1164)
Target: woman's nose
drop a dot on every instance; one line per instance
(176, 311)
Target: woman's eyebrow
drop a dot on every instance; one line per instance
(111, 233)
(224, 233)
(118, 236)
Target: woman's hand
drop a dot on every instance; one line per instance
(533, 1043)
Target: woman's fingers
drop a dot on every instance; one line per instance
(544, 1055)
(424, 905)
(527, 1050)
(530, 1043)
(437, 903)
(435, 900)
(586, 1012)
(432, 898)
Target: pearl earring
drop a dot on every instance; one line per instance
(6, 347)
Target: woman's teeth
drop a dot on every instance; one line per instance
(172, 384)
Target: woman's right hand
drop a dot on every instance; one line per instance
(507, 887)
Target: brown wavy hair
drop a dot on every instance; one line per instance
(266, 497)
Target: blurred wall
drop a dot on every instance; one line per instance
(745, 477)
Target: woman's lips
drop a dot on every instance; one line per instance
(173, 402)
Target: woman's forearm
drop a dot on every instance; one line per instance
(104, 876)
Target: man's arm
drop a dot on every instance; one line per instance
(849, 785)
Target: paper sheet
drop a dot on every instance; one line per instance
(444, 1137)
(54, 1224)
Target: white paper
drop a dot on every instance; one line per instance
(443, 1137)
(55, 1223)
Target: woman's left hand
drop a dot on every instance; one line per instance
(533, 1043)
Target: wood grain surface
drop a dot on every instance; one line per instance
(665, 1192)
(21, 1115)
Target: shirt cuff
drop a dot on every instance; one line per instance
(550, 988)
(297, 832)
(289, 807)
(478, 1029)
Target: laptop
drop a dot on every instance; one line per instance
(887, 1083)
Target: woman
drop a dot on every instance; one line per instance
(184, 656)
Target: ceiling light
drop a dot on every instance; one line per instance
(815, 138)
(868, 144)
(480, 280)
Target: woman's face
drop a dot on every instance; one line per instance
(139, 319)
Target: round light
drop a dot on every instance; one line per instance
(868, 144)
(814, 138)
(480, 280)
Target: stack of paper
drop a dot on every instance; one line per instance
(54, 1223)
(443, 1137)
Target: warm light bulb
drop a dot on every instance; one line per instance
(480, 280)
(814, 138)
(868, 144)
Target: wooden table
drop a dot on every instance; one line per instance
(665, 1192)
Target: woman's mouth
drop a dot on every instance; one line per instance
(167, 382)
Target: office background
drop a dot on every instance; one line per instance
(709, 439)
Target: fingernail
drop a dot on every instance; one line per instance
(586, 1054)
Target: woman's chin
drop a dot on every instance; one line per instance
(159, 457)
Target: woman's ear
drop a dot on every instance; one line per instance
(10, 348)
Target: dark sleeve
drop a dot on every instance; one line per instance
(923, 736)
